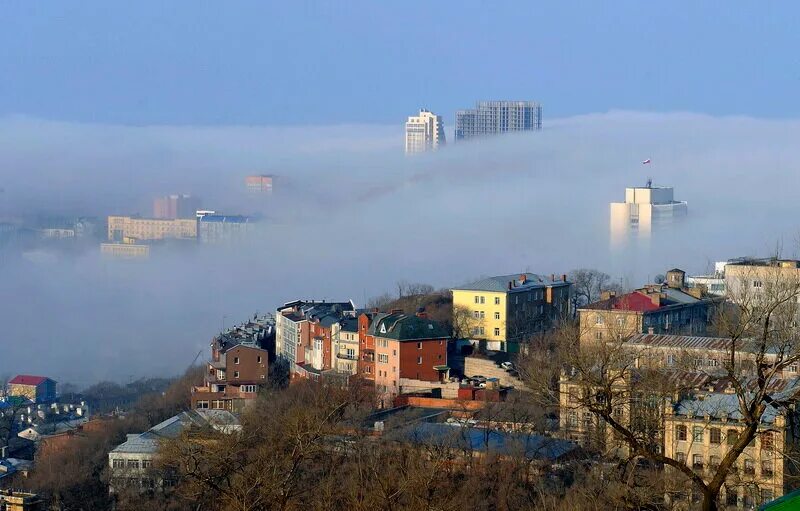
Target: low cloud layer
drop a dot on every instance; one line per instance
(351, 216)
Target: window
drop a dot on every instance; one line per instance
(496, 332)
(766, 468)
(697, 462)
(118, 463)
(258, 359)
(598, 320)
(497, 300)
(202, 404)
(731, 497)
(620, 321)
(147, 463)
(483, 314)
(766, 496)
(766, 441)
(748, 467)
(235, 360)
(671, 359)
(572, 419)
(383, 358)
(757, 283)
(483, 299)
(680, 432)
(477, 299)
(236, 374)
(680, 457)
(713, 462)
(481, 330)
(598, 336)
(476, 314)
(132, 464)
(697, 434)
(497, 316)
(732, 436)
(716, 436)
(419, 360)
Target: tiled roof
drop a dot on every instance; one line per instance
(628, 302)
(499, 284)
(25, 379)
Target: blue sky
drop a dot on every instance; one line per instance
(293, 62)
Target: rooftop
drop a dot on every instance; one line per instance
(26, 379)
(513, 283)
(405, 327)
(147, 442)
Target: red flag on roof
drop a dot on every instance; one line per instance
(645, 162)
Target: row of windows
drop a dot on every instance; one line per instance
(715, 436)
(482, 315)
(129, 463)
(767, 466)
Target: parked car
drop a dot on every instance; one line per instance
(479, 378)
(507, 366)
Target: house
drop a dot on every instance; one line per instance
(13, 500)
(131, 463)
(507, 309)
(38, 389)
(294, 322)
(667, 308)
(239, 366)
(407, 346)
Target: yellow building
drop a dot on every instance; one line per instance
(120, 227)
(13, 500)
(508, 308)
(125, 250)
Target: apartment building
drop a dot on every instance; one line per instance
(38, 389)
(258, 184)
(407, 346)
(424, 132)
(239, 366)
(504, 310)
(495, 117)
(346, 345)
(366, 340)
(293, 329)
(175, 206)
(645, 210)
(668, 308)
(216, 228)
(125, 250)
(699, 429)
(120, 227)
(747, 278)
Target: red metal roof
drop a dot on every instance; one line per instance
(634, 301)
(26, 379)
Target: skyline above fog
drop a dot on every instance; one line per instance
(351, 216)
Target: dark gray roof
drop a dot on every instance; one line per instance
(499, 284)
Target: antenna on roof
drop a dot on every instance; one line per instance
(649, 182)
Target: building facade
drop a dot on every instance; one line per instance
(123, 250)
(424, 132)
(644, 211)
(410, 347)
(346, 346)
(258, 184)
(495, 117)
(508, 308)
(120, 227)
(214, 228)
(38, 389)
(239, 366)
(175, 206)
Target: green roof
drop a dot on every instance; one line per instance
(403, 327)
(789, 502)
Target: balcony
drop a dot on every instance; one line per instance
(345, 356)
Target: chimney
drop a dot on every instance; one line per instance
(605, 295)
(563, 277)
(522, 279)
(552, 277)
(510, 284)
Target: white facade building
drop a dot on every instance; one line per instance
(645, 210)
(424, 132)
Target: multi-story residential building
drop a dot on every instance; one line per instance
(175, 206)
(14, 500)
(120, 227)
(131, 464)
(424, 132)
(668, 308)
(294, 324)
(346, 346)
(507, 309)
(38, 389)
(645, 210)
(493, 117)
(748, 278)
(239, 366)
(700, 428)
(216, 228)
(366, 351)
(407, 346)
(259, 183)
